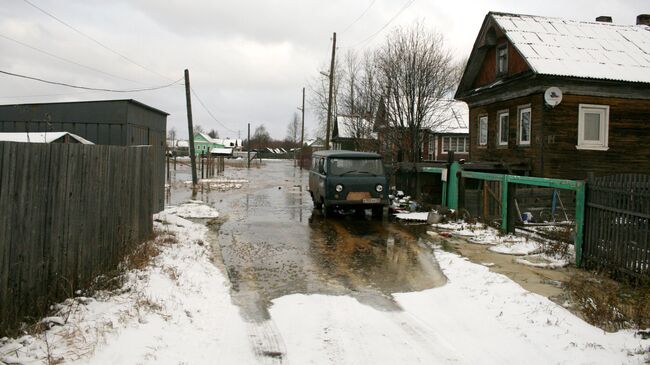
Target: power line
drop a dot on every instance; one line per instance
(406, 6)
(360, 16)
(65, 59)
(86, 87)
(210, 113)
(94, 40)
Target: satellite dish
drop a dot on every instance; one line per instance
(553, 96)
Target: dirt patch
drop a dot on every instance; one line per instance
(546, 282)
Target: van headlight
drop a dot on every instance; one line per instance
(339, 188)
(379, 188)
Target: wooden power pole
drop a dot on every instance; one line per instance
(249, 146)
(302, 128)
(329, 99)
(190, 127)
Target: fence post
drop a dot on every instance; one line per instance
(452, 184)
(504, 203)
(580, 221)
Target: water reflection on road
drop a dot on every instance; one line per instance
(273, 243)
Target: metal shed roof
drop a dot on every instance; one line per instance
(564, 47)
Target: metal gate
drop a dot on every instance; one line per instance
(618, 225)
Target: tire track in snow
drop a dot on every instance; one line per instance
(426, 337)
(266, 342)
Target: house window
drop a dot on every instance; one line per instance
(482, 130)
(502, 59)
(432, 146)
(455, 144)
(504, 120)
(593, 127)
(524, 125)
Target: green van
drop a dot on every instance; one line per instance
(348, 179)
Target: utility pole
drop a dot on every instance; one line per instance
(249, 146)
(190, 127)
(302, 128)
(329, 99)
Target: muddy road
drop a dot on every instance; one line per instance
(271, 243)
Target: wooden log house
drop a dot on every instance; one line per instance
(521, 66)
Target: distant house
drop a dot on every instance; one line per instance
(43, 137)
(559, 98)
(204, 143)
(354, 133)
(451, 133)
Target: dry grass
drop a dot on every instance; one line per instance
(609, 304)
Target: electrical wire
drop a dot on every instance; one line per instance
(65, 59)
(360, 16)
(94, 40)
(209, 112)
(406, 6)
(89, 88)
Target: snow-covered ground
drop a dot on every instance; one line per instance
(178, 311)
(529, 245)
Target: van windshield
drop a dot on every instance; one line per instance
(356, 166)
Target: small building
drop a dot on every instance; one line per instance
(450, 133)
(124, 122)
(354, 133)
(43, 137)
(204, 143)
(561, 97)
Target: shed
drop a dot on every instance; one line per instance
(124, 122)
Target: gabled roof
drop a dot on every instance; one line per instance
(39, 137)
(563, 47)
(348, 126)
(570, 48)
(454, 119)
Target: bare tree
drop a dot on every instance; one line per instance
(418, 77)
(198, 129)
(293, 129)
(261, 137)
(318, 95)
(171, 134)
(213, 133)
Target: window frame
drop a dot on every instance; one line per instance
(481, 142)
(500, 114)
(503, 46)
(603, 140)
(520, 110)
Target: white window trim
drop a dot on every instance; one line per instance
(482, 143)
(522, 109)
(604, 128)
(499, 115)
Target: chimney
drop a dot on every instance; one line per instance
(604, 19)
(643, 19)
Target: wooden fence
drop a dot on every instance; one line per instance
(618, 225)
(68, 213)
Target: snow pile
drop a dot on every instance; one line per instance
(530, 246)
(193, 209)
(415, 216)
(220, 184)
(178, 310)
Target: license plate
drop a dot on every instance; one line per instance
(371, 201)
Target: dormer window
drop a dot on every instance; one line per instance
(502, 59)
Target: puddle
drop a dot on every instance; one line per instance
(274, 244)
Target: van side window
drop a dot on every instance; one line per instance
(321, 166)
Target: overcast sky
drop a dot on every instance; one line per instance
(248, 60)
